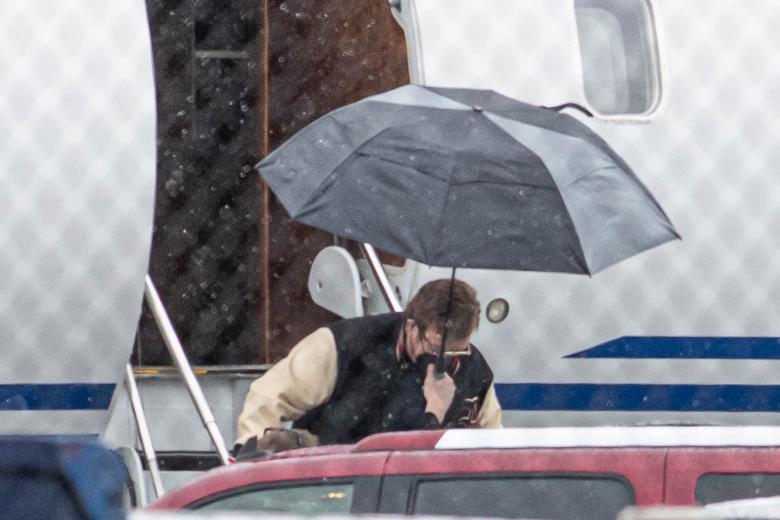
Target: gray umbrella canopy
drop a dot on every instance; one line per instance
(467, 178)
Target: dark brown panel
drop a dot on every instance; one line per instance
(322, 54)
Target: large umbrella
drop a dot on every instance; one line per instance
(467, 178)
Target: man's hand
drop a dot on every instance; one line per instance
(438, 393)
(273, 441)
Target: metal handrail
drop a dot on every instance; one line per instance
(381, 277)
(176, 350)
(143, 431)
(185, 369)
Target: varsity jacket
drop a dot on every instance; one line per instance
(375, 391)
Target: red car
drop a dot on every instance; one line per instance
(530, 472)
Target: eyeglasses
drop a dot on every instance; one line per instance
(436, 348)
(456, 353)
(448, 353)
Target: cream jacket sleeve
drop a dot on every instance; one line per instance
(298, 383)
(489, 415)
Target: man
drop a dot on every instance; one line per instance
(376, 374)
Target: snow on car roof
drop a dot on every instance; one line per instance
(612, 436)
(576, 437)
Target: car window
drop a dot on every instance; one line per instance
(527, 496)
(719, 487)
(304, 500)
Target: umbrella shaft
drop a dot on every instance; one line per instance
(440, 359)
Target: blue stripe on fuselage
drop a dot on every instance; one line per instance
(639, 398)
(690, 347)
(56, 397)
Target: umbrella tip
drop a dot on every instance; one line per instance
(477, 108)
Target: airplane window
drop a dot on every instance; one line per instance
(620, 58)
(302, 500)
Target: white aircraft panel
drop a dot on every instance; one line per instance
(77, 166)
(683, 318)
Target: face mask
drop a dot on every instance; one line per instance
(423, 360)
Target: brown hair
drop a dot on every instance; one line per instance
(429, 307)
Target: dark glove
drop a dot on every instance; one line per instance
(275, 440)
(431, 422)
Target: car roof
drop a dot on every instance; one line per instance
(549, 437)
(369, 455)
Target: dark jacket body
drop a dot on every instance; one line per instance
(376, 392)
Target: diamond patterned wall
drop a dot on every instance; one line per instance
(235, 78)
(77, 148)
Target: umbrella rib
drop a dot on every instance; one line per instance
(584, 267)
(506, 183)
(397, 163)
(438, 248)
(641, 185)
(301, 134)
(584, 264)
(586, 175)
